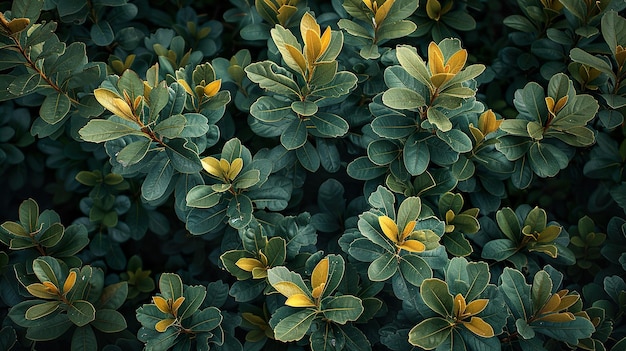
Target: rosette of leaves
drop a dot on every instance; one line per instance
(392, 241)
(149, 117)
(464, 309)
(539, 139)
(524, 232)
(586, 243)
(235, 186)
(541, 311)
(175, 318)
(42, 234)
(441, 19)
(297, 92)
(200, 35)
(69, 298)
(139, 281)
(376, 22)
(314, 304)
(37, 62)
(458, 222)
(250, 264)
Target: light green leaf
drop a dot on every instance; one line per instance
(171, 127)
(413, 64)
(274, 78)
(403, 99)
(304, 108)
(392, 30)
(24, 84)
(342, 309)
(439, 119)
(41, 310)
(133, 152)
(516, 293)
(295, 326)
(100, 130)
(340, 85)
(430, 333)
(456, 139)
(203, 196)
(81, 312)
(436, 296)
(269, 109)
(55, 107)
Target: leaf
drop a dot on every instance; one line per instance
(499, 249)
(416, 154)
(206, 320)
(30, 9)
(183, 156)
(342, 84)
(546, 160)
(171, 127)
(203, 196)
(55, 107)
(329, 124)
(456, 244)
(102, 33)
(100, 130)
(363, 250)
(157, 180)
(8, 337)
(413, 64)
(240, 211)
(194, 296)
(51, 236)
(308, 157)
(430, 333)
(436, 296)
(361, 168)
(171, 286)
(24, 84)
(269, 109)
(304, 108)
(581, 56)
(272, 77)
(295, 326)
(383, 268)
(342, 309)
(133, 152)
(403, 99)
(81, 312)
(392, 30)
(570, 332)
(109, 321)
(415, 269)
(295, 135)
(84, 339)
(456, 139)
(47, 268)
(113, 296)
(517, 293)
(41, 310)
(439, 119)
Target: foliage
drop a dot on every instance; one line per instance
(324, 175)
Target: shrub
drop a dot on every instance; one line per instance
(325, 175)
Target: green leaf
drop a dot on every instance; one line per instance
(330, 124)
(342, 84)
(546, 160)
(171, 127)
(206, 320)
(499, 249)
(430, 333)
(81, 312)
(392, 30)
(113, 296)
(416, 154)
(436, 296)
(194, 296)
(51, 236)
(413, 64)
(184, 156)
(47, 268)
(509, 223)
(30, 9)
(403, 99)
(581, 56)
(541, 290)
(203, 196)
(55, 107)
(304, 108)
(157, 180)
(524, 330)
(342, 309)
(274, 78)
(362, 168)
(269, 109)
(415, 269)
(133, 152)
(383, 268)
(41, 310)
(456, 244)
(382, 152)
(516, 293)
(613, 29)
(109, 321)
(295, 135)
(363, 250)
(100, 130)
(295, 326)
(84, 339)
(308, 157)
(438, 119)
(570, 332)
(240, 211)
(24, 84)
(170, 286)
(394, 125)
(52, 329)
(456, 139)
(102, 33)
(28, 214)
(354, 29)
(8, 337)
(369, 227)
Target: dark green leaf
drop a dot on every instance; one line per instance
(342, 309)
(430, 333)
(435, 294)
(100, 130)
(81, 312)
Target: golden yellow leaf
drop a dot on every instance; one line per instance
(259, 273)
(476, 306)
(18, 24)
(235, 168)
(413, 246)
(212, 166)
(287, 288)
(114, 104)
(382, 12)
(551, 304)
(560, 104)
(567, 302)
(285, 12)
(549, 234)
(176, 305)
(389, 227)
(297, 56)
(558, 317)
(161, 326)
(325, 39)
(320, 273)
(369, 4)
(433, 9)
(41, 291)
(488, 123)
(456, 62)
(162, 304)
(458, 308)
(479, 327)
(309, 23)
(186, 86)
(408, 229)
(312, 47)
(440, 78)
(299, 300)
(435, 59)
(248, 264)
(254, 319)
(69, 282)
(51, 287)
(212, 88)
(318, 290)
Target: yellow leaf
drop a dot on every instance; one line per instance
(318, 290)
(550, 103)
(458, 308)
(308, 23)
(161, 326)
(560, 104)
(254, 319)
(186, 86)
(176, 305)
(435, 58)
(162, 304)
(212, 88)
(408, 229)
(558, 317)
(567, 302)
(433, 9)
(369, 5)
(297, 56)
(285, 12)
(41, 291)
(212, 166)
(248, 264)
(457, 61)
(389, 227)
(382, 12)
(325, 39)
(312, 47)
(235, 168)
(488, 123)
(51, 287)
(479, 327)
(413, 246)
(549, 234)
(476, 306)
(224, 167)
(551, 304)
(287, 288)
(476, 133)
(114, 104)
(18, 24)
(69, 282)
(320, 273)
(299, 300)
(440, 78)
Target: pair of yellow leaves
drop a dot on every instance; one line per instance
(48, 290)
(296, 297)
(282, 9)
(487, 123)
(167, 306)
(258, 267)
(402, 239)
(13, 26)
(462, 311)
(208, 90)
(124, 108)
(380, 12)
(315, 44)
(222, 169)
(554, 309)
(443, 70)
